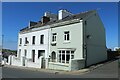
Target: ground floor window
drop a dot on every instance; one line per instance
(65, 56)
(25, 52)
(33, 55)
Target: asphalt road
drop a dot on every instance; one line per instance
(108, 70)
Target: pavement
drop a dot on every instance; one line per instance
(103, 70)
(82, 71)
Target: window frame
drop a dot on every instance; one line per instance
(25, 40)
(42, 39)
(66, 36)
(20, 41)
(33, 40)
(25, 52)
(54, 37)
(60, 54)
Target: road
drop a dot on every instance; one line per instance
(108, 70)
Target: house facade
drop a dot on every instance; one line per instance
(78, 42)
(33, 45)
(64, 42)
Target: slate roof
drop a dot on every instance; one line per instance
(75, 16)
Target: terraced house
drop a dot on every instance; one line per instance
(63, 41)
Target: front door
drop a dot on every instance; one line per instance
(42, 53)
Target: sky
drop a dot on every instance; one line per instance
(16, 15)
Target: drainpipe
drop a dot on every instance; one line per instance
(84, 43)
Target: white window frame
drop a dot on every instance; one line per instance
(25, 52)
(25, 40)
(54, 37)
(20, 41)
(33, 40)
(60, 56)
(66, 35)
(42, 39)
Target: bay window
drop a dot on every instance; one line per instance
(65, 56)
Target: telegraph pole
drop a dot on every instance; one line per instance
(2, 45)
(2, 40)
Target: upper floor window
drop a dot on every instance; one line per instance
(20, 40)
(41, 39)
(26, 40)
(54, 35)
(33, 40)
(66, 35)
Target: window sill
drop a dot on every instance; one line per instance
(65, 42)
(41, 44)
(20, 45)
(53, 42)
(25, 44)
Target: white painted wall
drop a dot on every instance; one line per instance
(96, 44)
(37, 45)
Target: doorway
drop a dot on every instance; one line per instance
(42, 53)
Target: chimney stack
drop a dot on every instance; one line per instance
(31, 23)
(63, 13)
(45, 19)
(51, 16)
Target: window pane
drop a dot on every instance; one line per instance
(59, 51)
(63, 58)
(66, 32)
(68, 37)
(63, 52)
(72, 56)
(64, 37)
(20, 40)
(25, 40)
(59, 57)
(42, 39)
(52, 38)
(53, 56)
(25, 54)
(33, 41)
(67, 52)
(72, 51)
(67, 58)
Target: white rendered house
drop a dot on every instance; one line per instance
(65, 41)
